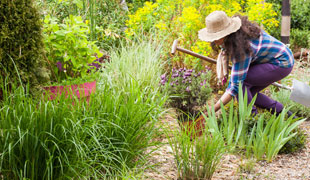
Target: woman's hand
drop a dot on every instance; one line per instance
(226, 97)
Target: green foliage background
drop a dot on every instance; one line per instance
(106, 18)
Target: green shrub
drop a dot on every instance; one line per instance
(300, 14)
(300, 39)
(135, 4)
(296, 143)
(21, 42)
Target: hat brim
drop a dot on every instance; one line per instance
(204, 35)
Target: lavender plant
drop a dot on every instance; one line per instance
(188, 89)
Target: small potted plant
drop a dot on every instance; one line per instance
(189, 90)
(73, 59)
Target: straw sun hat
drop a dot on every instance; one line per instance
(218, 25)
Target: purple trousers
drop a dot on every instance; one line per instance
(260, 76)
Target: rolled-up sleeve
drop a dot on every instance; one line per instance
(238, 74)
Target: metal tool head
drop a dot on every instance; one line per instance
(174, 46)
(300, 93)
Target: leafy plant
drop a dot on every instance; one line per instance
(188, 89)
(233, 126)
(271, 138)
(68, 50)
(105, 18)
(264, 139)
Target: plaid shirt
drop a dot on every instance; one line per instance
(266, 49)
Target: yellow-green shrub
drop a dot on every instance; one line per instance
(182, 19)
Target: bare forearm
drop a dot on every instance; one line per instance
(224, 99)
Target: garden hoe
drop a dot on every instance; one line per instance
(300, 92)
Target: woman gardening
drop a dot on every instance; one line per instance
(258, 59)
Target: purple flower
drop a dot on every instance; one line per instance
(163, 76)
(93, 66)
(187, 74)
(60, 66)
(182, 69)
(187, 89)
(175, 75)
(189, 70)
(208, 68)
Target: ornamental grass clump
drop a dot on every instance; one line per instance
(38, 139)
(188, 89)
(199, 158)
(131, 103)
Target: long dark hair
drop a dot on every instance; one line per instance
(237, 45)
